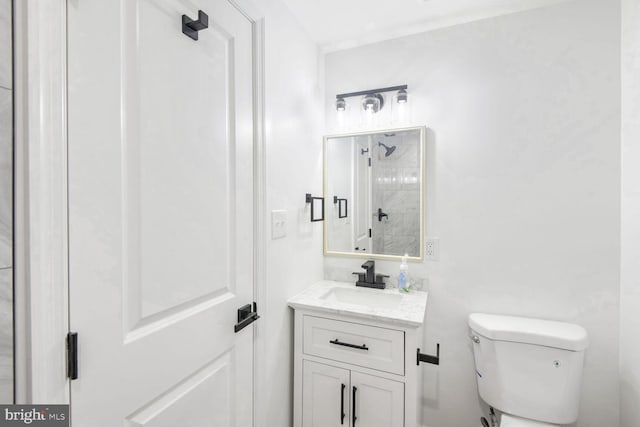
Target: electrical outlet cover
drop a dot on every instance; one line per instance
(432, 248)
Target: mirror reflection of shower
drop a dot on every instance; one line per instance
(388, 149)
(395, 196)
(379, 173)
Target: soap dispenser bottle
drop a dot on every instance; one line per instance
(403, 275)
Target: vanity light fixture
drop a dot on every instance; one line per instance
(402, 96)
(373, 100)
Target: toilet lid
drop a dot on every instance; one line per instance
(511, 421)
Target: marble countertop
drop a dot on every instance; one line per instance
(399, 308)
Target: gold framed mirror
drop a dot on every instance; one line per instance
(374, 190)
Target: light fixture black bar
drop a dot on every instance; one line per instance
(372, 91)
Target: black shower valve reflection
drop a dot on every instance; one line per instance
(381, 215)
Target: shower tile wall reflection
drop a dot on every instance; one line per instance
(6, 336)
(5, 44)
(6, 222)
(396, 190)
(6, 206)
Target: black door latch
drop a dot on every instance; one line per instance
(247, 314)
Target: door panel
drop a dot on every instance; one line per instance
(160, 213)
(176, 96)
(199, 401)
(379, 402)
(325, 394)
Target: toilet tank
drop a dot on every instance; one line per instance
(530, 368)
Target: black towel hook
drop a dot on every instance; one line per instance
(191, 27)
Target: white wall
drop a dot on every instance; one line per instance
(523, 161)
(293, 167)
(630, 274)
(340, 157)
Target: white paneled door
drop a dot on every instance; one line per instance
(161, 236)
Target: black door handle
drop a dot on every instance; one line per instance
(342, 414)
(246, 316)
(353, 412)
(344, 344)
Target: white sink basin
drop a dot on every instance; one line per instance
(363, 297)
(383, 305)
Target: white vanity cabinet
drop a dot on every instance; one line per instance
(334, 396)
(378, 401)
(356, 366)
(325, 394)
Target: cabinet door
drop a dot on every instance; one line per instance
(325, 395)
(377, 402)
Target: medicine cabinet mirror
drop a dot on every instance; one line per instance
(374, 192)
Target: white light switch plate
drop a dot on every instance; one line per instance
(278, 224)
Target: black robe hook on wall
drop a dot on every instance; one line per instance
(191, 27)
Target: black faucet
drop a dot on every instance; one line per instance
(369, 279)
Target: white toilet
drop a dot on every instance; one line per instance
(528, 369)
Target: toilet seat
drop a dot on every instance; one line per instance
(512, 421)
